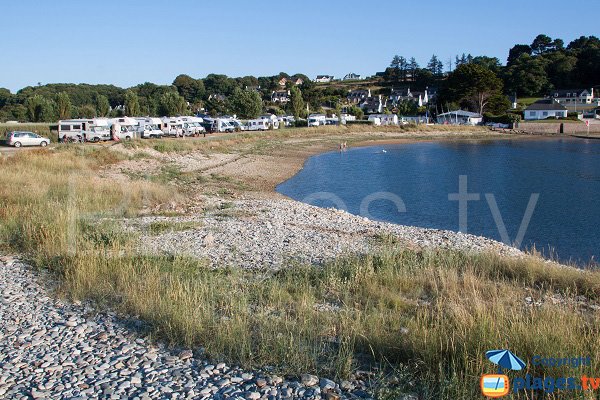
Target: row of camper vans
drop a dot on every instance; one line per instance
(127, 128)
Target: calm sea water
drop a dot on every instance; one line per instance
(565, 222)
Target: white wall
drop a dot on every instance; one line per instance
(541, 114)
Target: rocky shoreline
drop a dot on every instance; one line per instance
(270, 234)
(50, 349)
(53, 349)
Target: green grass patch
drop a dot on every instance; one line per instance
(159, 227)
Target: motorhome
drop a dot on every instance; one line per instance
(287, 120)
(257, 125)
(81, 130)
(149, 128)
(172, 126)
(192, 126)
(220, 125)
(273, 121)
(124, 128)
(237, 125)
(316, 120)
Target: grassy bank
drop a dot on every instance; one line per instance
(425, 318)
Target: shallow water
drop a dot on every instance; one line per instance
(410, 184)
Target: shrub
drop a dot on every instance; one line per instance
(359, 122)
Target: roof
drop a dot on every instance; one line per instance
(461, 113)
(564, 92)
(546, 105)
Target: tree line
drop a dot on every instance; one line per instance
(217, 94)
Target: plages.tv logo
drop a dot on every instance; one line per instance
(498, 385)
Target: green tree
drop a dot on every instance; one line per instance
(171, 103)
(191, 89)
(5, 97)
(132, 104)
(472, 84)
(40, 109)
(357, 112)
(297, 102)
(516, 51)
(87, 111)
(102, 105)
(63, 105)
(527, 76)
(435, 66)
(542, 44)
(245, 103)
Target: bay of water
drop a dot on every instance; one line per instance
(410, 184)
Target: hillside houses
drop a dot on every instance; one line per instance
(358, 95)
(405, 94)
(324, 78)
(294, 80)
(374, 105)
(351, 77)
(575, 99)
(280, 96)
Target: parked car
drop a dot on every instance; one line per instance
(21, 138)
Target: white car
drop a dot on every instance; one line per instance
(21, 138)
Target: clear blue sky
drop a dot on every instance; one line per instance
(130, 42)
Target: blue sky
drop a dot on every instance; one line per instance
(130, 42)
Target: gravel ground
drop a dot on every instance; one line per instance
(54, 350)
(270, 233)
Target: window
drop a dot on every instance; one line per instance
(75, 127)
(65, 127)
(532, 113)
(545, 114)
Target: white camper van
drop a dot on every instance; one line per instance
(81, 130)
(149, 128)
(124, 128)
(257, 125)
(316, 119)
(192, 126)
(172, 126)
(220, 125)
(273, 120)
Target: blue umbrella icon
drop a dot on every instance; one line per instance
(505, 359)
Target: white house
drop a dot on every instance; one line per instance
(460, 117)
(543, 109)
(575, 99)
(384, 119)
(324, 78)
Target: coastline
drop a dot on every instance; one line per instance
(147, 320)
(331, 234)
